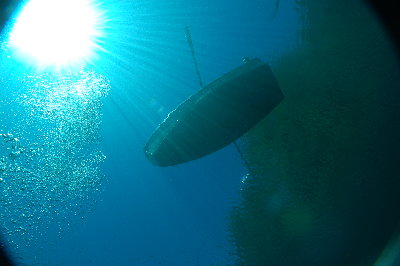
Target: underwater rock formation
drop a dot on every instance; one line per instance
(324, 172)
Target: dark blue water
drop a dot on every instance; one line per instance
(90, 195)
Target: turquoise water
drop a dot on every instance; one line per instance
(76, 188)
(80, 191)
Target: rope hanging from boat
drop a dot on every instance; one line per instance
(190, 43)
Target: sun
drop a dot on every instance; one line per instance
(57, 33)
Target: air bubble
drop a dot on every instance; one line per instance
(49, 151)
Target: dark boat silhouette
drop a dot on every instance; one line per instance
(215, 116)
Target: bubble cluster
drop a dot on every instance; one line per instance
(50, 156)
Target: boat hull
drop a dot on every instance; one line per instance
(215, 116)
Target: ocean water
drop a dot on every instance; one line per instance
(315, 183)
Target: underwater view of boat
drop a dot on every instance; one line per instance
(85, 144)
(215, 116)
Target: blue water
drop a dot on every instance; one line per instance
(109, 205)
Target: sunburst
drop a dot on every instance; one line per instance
(58, 33)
